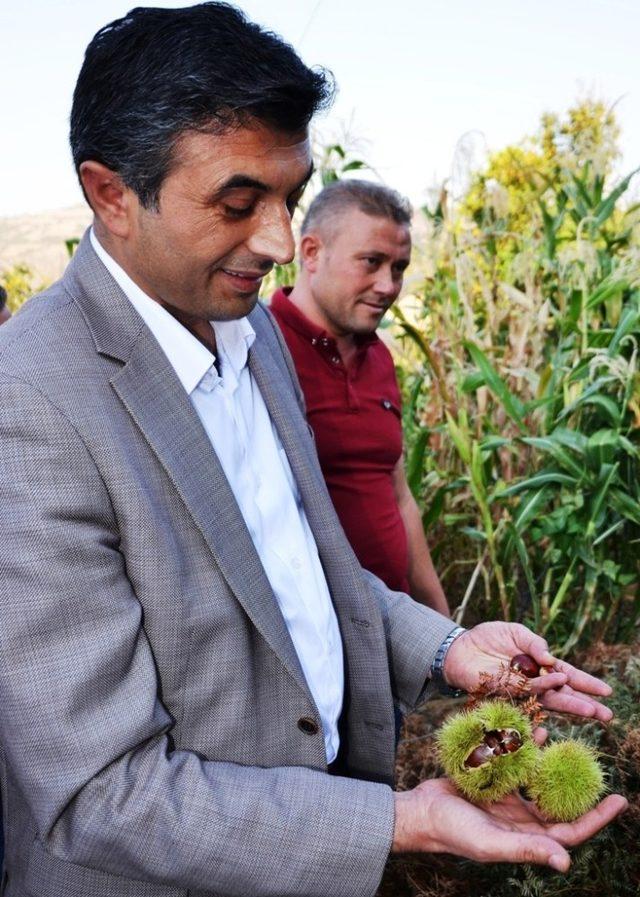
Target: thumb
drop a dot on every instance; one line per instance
(538, 648)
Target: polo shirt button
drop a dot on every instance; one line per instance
(308, 725)
(313, 341)
(335, 359)
(324, 341)
(386, 404)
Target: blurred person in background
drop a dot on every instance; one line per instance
(355, 246)
(5, 314)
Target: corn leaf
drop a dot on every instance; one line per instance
(511, 404)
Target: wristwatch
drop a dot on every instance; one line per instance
(437, 667)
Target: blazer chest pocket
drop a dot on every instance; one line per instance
(48, 876)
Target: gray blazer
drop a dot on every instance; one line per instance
(158, 735)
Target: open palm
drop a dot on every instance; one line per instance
(488, 645)
(510, 830)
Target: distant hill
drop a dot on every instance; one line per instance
(38, 240)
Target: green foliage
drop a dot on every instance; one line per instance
(20, 283)
(568, 780)
(520, 363)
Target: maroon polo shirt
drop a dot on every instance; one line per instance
(355, 416)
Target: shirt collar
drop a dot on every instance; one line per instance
(189, 358)
(294, 318)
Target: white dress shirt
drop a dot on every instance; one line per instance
(236, 420)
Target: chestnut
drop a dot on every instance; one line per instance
(525, 664)
(511, 741)
(479, 756)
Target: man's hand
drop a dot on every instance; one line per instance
(564, 688)
(433, 818)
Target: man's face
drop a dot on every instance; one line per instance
(357, 271)
(224, 218)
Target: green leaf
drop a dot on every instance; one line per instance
(625, 505)
(628, 323)
(511, 404)
(540, 479)
(472, 382)
(415, 462)
(435, 508)
(523, 555)
(592, 396)
(460, 439)
(607, 205)
(491, 443)
(602, 447)
(476, 534)
(557, 452)
(572, 439)
(608, 474)
(354, 166)
(608, 288)
(529, 507)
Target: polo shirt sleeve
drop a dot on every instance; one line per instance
(413, 634)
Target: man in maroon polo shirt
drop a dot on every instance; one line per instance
(355, 246)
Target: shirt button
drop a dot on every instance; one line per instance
(313, 341)
(324, 341)
(386, 404)
(308, 725)
(335, 359)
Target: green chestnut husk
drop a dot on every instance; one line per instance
(464, 732)
(568, 780)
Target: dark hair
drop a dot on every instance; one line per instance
(3, 297)
(372, 199)
(156, 73)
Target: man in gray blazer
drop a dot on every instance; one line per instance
(197, 678)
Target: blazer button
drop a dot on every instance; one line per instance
(308, 725)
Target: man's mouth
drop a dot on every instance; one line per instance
(375, 305)
(246, 281)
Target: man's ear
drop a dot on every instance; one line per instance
(111, 200)
(311, 249)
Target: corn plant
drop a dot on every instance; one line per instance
(519, 367)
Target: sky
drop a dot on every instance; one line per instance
(424, 85)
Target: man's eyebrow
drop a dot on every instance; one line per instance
(238, 181)
(241, 180)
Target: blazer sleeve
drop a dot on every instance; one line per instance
(83, 728)
(413, 634)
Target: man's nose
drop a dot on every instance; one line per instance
(386, 284)
(272, 237)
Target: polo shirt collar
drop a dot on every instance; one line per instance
(298, 321)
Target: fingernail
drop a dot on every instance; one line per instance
(559, 863)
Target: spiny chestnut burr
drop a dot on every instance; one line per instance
(525, 664)
(488, 751)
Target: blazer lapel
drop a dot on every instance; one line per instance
(151, 392)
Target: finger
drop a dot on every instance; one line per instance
(573, 833)
(545, 683)
(540, 735)
(518, 847)
(566, 700)
(582, 681)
